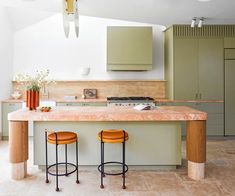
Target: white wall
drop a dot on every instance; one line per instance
(43, 45)
(6, 49)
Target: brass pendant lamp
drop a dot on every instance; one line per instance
(70, 14)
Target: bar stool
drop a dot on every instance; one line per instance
(113, 136)
(59, 138)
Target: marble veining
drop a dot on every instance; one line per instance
(162, 113)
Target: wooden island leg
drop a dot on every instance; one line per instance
(18, 148)
(196, 148)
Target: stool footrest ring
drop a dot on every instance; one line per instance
(62, 174)
(112, 174)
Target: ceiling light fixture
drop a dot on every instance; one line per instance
(200, 23)
(70, 14)
(193, 22)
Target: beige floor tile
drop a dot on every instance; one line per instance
(220, 178)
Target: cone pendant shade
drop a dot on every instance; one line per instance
(70, 14)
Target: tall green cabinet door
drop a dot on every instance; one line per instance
(229, 97)
(186, 68)
(210, 62)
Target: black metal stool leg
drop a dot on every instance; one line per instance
(77, 160)
(102, 161)
(47, 180)
(123, 165)
(66, 161)
(57, 188)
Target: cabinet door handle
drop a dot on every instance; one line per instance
(200, 97)
(11, 104)
(196, 95)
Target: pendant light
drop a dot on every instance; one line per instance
(70, 14)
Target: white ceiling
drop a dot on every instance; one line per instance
(163, 12)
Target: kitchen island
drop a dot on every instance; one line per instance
(160, 126)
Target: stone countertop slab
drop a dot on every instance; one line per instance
(163, 113)
(188, 101)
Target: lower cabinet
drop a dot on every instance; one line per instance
(7, 108)
(214, 110)
(81, 104)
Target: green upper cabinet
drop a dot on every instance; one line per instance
(193, 66)
(229, 42)
(129, 48)
(210, 65)
(186, 68)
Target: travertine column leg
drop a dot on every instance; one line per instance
(18, 148)
(196, 149)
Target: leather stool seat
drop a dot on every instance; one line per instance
(113, 136)
(63, 137)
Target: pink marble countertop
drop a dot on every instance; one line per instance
(13, 101)
(58, 100)
(81, 100)
(163, 113)
(188, 101)
(156, 100)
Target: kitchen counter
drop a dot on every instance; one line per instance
(163, 113)
(82, 100)
(188, 101)
(156, 129)
(156, 100)
(13, 101)
(58, 100)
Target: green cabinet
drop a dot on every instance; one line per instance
(129, 48)
(7, 108)
(210, 66)
(194, 67)
(214, 110)
(229, 97)
(185, 68)
(229, 54)
(81, 104)
(229, 42)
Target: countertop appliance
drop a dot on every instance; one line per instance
(130, 101)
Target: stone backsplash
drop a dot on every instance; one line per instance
(150, 88)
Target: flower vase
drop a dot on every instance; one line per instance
(32, 99)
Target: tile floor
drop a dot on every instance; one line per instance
(220, 178)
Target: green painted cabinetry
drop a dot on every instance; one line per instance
(194, 67)
(7, 108)
(214, 110)
(229, 97)
(210, 66)
(185, 68)
(129, 48)
(229, 42)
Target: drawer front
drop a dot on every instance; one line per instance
(95, 104)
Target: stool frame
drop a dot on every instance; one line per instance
(60, 163)
(123, 163)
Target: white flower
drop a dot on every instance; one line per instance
(33, 82)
